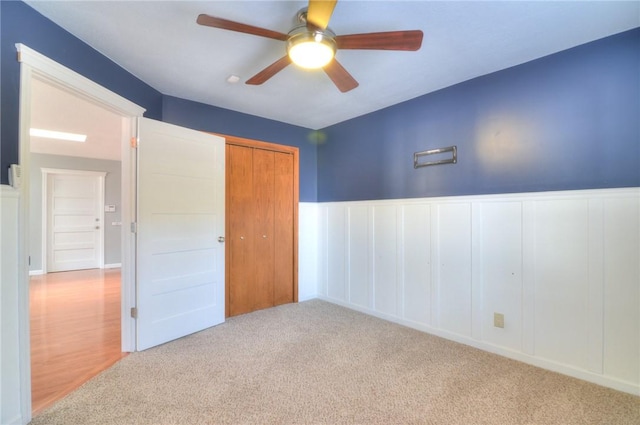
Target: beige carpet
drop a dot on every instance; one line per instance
(317, 363)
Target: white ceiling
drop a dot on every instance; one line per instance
(160, 43)
(55, 109)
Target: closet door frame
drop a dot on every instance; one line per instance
(258, 144)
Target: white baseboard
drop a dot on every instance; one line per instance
(306, 297)
(106, 266)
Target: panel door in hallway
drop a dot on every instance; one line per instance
(262, 202)
(74, 220)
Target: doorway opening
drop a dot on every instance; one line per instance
(75, 314)
(39, 72)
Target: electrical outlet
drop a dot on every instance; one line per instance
(498, 320)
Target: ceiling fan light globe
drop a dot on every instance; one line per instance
(311, 50)
(311, 54)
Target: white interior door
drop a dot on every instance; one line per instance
(180, 261)
(74, 206)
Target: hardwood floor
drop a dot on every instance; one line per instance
(75, 330)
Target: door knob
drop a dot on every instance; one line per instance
(221, 239)
(97, 227)
(264, 236)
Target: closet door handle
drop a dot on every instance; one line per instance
(264, 236)
(221, 239)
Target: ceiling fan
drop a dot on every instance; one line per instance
(312, 45)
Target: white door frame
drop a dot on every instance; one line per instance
(46, 172)
(34, 65)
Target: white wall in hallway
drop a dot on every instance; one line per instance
(562, 267)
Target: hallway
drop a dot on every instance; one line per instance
(75, 330)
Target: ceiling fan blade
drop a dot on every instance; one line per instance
(392, 40)
(212, 21)
(340, 77)
(319, 12)
(269, 71)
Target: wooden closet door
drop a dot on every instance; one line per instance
(283, 228)
(263, 195)
(262, 225)
(240, 231)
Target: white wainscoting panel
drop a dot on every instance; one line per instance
(308, 242)
(336, 253)
(595, 272)
(561, 281)
(562, 267)
(622, 288)
(323, 246)
(385, 283)
(416, 265)
(358, 260)
(454, 267)
(501, 272)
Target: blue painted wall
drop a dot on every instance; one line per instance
(566, 121)
(210, 118)
(19, 23)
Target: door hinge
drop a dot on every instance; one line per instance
(134, 312)
(134, 227)
(134, 142)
